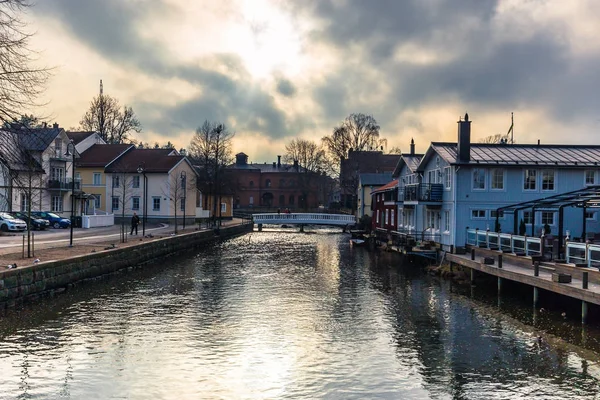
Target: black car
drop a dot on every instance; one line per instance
(35, 223)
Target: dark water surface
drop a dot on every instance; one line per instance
(276, 315)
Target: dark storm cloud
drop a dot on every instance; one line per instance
(108, 27)
(476, 68)
(286, 87)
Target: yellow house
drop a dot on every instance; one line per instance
(89, 167)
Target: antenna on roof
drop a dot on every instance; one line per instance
(511, 129)
(101, 88)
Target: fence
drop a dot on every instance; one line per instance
(583, 253)
(528, 245)
(94, 221)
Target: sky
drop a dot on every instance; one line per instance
(274, 70)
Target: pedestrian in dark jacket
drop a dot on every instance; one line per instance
(135, 220)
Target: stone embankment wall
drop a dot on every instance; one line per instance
(30, 284)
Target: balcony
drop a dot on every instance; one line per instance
(64, 184)
(425, 192)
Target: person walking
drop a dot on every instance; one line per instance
(135, 220)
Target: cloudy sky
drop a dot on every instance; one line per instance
(273, 70)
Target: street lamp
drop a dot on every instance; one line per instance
(183, 186)
(71, 153)
(142, 170)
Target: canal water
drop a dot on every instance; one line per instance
(284, 315)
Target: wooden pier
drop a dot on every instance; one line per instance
(584, 282)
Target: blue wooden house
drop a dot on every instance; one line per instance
(461, 185)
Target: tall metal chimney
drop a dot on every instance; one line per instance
(412, 146)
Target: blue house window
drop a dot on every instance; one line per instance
(497, 179)
(478, 179)
(528, 217)
(478, 214)
(548, 180)
(530, 178)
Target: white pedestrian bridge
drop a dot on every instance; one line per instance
(304, 219)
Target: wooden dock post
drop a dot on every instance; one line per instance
(499, 285)
(260, 227)
(472, 275)
(472, 254)
(301, 227)
(536, 268)
(584, 280)
(536, 296)
(584, 311)
(499, 260)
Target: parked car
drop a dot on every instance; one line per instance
(8, 223)
(36, 223)
(56, 221)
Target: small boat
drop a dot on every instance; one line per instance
(357, 242)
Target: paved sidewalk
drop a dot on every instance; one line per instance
(55, 245)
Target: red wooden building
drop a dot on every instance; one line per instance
(385, 209)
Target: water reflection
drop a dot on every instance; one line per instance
(288, 315)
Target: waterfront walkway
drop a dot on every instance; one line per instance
(521, 269)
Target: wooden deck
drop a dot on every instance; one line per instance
(520, 269)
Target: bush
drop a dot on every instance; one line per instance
(522, 228)
(364, 223)
(547, 229)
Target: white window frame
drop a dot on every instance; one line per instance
(182, 204)
(24, 202)
(535, 178)
(112, 203)
(493, 180)
(446, 221)
(56, 204)
(223, 207)
(97, 200)
(478, 211)
(473, 179)
(528, 217)
(392, 222)
(154, 199)
(133, 201)
(545, 220)
(97, 179)
(135, 181)
(493, 216)
(115, 181)
(544, 172)
(586, 175)
(447, 177)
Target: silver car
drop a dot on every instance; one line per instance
(8, 223)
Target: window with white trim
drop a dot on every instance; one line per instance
(223, 207)
(590, 215)
(529, 179)
(115, 181)
(97, 200)
(497, 179)
(590, 177)
(57, 204)
(477, 214)
(528, 217)
(24, 202)
(499, 214)
(115, 203)
(156, 204)
(478, 179)
(548, 179)
(392, 217)
(447, 178)
(97, 179)
(135, 203)
(547, 217)
(135, 183)
(447, 221)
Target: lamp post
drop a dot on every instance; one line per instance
(71, 153)
(142, 170)
(184, 188)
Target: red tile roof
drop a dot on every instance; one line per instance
(100, 155)
(153, 160)
(392, 185)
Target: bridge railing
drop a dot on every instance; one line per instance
(305, 218)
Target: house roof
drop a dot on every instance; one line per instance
(389, 186)
(154, 161)
(78, 137)
(549, 155)
(412, 161)
(100, 155)
(38, 139)
(371, 179)
(14, 156)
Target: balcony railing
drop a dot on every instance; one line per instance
(422, 192)
(64, 184)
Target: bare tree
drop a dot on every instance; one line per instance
(21, 82)
(211, 148)
(496, 139)
(395, 150)
(179, 189)
(122, 189)
(311, 164)
(357, 132)
(113, 123)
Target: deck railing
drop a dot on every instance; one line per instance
(576, 253)
(505, 241)
(304, 218)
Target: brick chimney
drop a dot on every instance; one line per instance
(412, 146)
(278, 161)
(55, 125)
(464, 139)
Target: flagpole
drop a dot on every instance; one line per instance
(512, 128)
